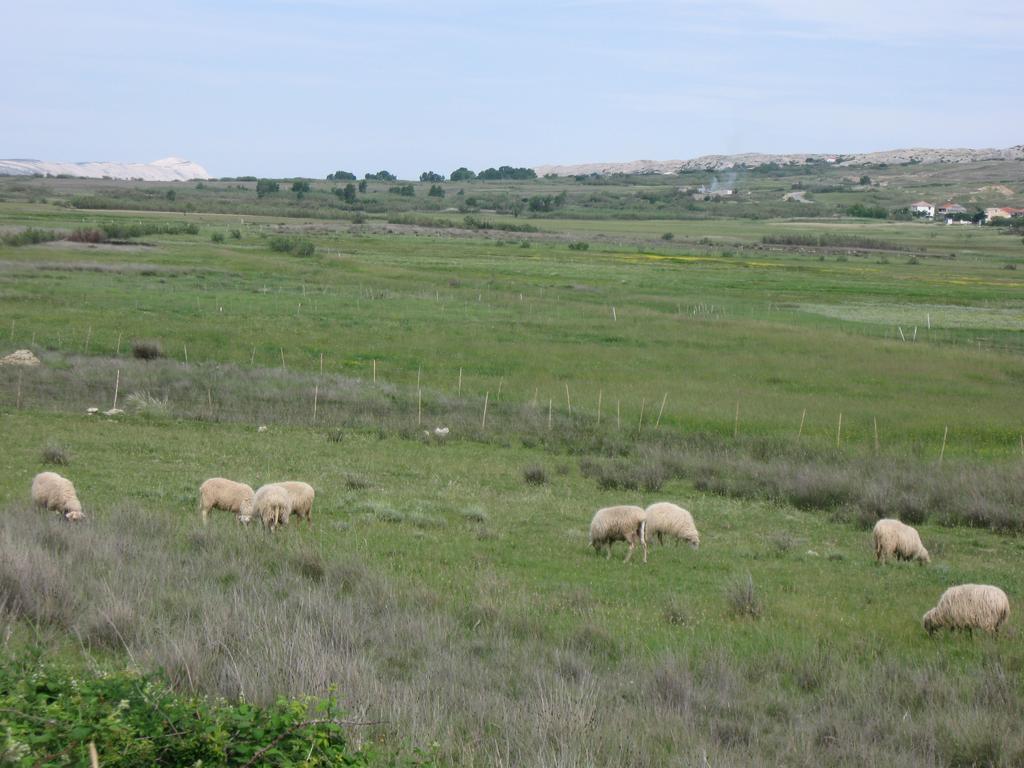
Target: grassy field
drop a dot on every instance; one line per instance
(450, 602)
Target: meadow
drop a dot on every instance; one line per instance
(787, 392)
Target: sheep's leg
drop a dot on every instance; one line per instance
(629, 554)
(204, 512)
(644, 545)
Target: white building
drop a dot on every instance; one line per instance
(923, 208)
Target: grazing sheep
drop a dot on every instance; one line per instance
(55, 492)
(896, 539)
(623, 523)
(667, 519)
(970, 607)
(301, 495)
(272, 505)
(221, 493)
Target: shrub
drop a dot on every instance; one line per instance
(579, 246)
(87, 235)
(667, 236)
(217, 237)
(742, 599)
(139, 720)
(535, 475)
(236, 234)
(147, 350)
(55, 453)
(30, 236)
(143, 402)
(292, 245)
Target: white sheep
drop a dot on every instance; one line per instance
(896, 539)
(622, 523)
(667, 519)
(970, 607)
(221, 493)
(302, 495)
(57, 493)
(272, 505)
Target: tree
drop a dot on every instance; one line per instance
(406, 190)
(300, 188)
(349, 193)
(431, 176)
(362, 186)
(381, 176)
(435, 191)
(341, 176)
(865, 181)
(171, 194)
(266, 187)
(462, 174)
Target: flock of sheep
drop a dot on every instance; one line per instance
(967, 606)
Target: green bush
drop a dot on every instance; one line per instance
(139, 720)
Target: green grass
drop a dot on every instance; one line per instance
(446, 590)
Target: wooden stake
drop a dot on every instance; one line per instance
(252, 357)
(419, 371)
(282, 358)
(419, 406)
(839, 429)
(618, 417)
(928, 318)
(904, 338)
(460, 382)
(321, 363)
(736, 423)
(803, 416)
(375, 371)
(186, 352)
(117, 386)
(483, 423)
(117, 350)
(316, 396)
(497, 398)
(549, 413)
(640, 426)
(657, 423)
(875, 420)
(599, 393)
(614, 318)
(568, 403)
(94, 758)
(942, 452)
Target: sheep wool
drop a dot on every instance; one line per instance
(894, 539)
(302, 495)
(272, 505)
(969, 606)
(54, 492)
(221, 493)
(667, 519)
(622, 523)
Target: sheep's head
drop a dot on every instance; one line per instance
(245, 509)
(928, 621)
(923, 556)
(694, 541)
(244, 519)
(74, 515)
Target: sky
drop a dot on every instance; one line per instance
(306, 87)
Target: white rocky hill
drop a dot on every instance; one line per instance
(753, 159)
(168, 169)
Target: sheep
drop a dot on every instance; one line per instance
(301, 495)
(221, 493)
(622, 523)
(665, 518)
(895, 539)
(970, 607)
(52, 491)
(272, 505)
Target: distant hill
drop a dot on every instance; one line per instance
(168, 169)
(754, 159)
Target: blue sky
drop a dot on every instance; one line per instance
(305, 87)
